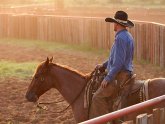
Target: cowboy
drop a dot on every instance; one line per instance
(119, 65)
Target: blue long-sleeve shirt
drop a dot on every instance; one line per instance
(121, 55)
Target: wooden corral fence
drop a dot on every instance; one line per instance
(149, 37)
(157, 117)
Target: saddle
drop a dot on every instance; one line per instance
(125, 89)
(136, 86)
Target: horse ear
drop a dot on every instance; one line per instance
(50, 60)
(47, 61)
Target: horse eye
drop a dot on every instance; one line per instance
(42, 78)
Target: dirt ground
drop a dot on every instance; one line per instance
(14, 108)
(140, 13)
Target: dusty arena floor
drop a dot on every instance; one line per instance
(15, 109)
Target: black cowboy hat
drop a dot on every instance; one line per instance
(121, 18)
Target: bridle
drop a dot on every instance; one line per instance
(54, 102)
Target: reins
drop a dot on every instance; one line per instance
(41, 107)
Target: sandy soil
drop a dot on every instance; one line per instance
(142, 13)
(14, 107)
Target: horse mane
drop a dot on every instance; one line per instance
(37, 68)
(74, 71)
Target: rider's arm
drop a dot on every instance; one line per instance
(119, 52)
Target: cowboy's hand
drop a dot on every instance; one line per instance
(104, 84)
(99, 66)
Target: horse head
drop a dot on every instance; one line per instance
(69, 82)
(41, 81)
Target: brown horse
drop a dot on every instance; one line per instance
(71, 85)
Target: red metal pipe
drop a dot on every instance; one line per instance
(116, 114)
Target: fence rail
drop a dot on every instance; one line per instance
(149, 37)
(123, 112)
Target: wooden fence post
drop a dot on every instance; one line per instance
(156, 116)
(128, 122)
(141, 119)
(150, 119)
(162, 116)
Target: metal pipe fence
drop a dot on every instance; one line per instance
(125, 111)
